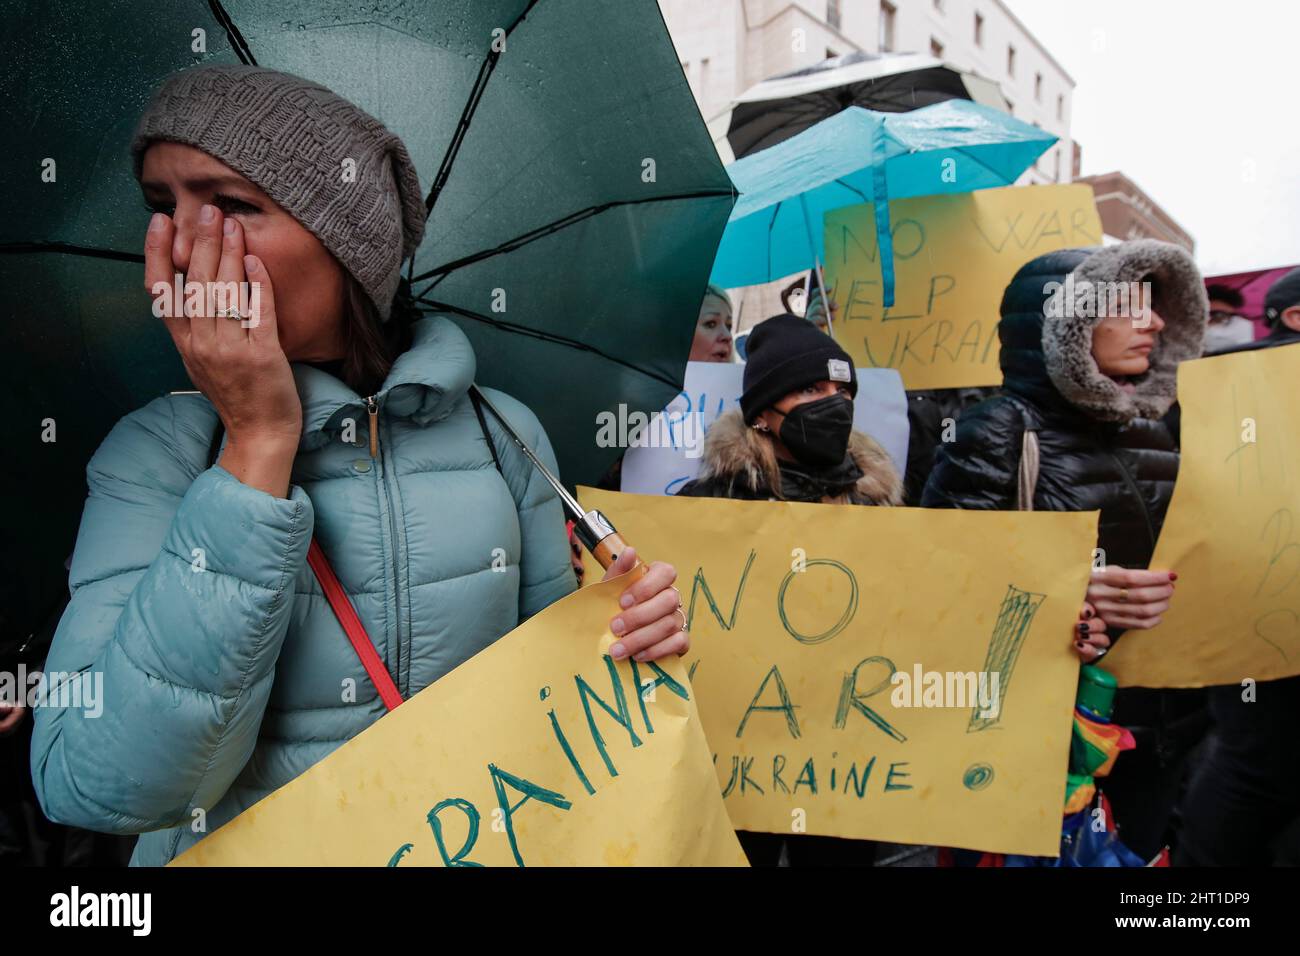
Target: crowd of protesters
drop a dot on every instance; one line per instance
(1085, 420)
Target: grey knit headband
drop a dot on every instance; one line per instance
(292, 138)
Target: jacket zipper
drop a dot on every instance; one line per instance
(372, 409)
(1137, 493)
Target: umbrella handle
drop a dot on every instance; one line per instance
(598, 535)
(606, 552)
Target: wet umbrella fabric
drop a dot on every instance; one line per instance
(575, 204)
(860, 156)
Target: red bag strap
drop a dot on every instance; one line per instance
(352, 626)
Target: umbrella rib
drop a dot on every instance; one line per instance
(236, 38)
(511, 244)
(544, 336)
(771, 227)
(72, 249)
(975, 159)
(853, 189)
(471, 105)
(462, 127)
(805, 109)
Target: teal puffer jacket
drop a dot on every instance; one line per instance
(221, 685)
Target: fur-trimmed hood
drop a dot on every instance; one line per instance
(738, 456)
(1052, 305)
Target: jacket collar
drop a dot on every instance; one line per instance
(740, 456)
(424, 384)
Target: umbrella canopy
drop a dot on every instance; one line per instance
(785, 105)
(575, 202)
(860, 156)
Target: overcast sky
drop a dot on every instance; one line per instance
(1197, 102)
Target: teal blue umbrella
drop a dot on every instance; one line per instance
(860, 156)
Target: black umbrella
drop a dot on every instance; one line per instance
(785, 105)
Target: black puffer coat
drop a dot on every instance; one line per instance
(1101, 448)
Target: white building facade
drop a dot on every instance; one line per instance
(727, 46)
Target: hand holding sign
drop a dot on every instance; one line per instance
(650, 625)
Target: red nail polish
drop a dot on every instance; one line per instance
(1173, 575)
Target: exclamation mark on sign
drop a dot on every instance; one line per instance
(1017, 613)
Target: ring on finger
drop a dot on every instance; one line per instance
(230, 313)
(1123, 594)
(683, 614)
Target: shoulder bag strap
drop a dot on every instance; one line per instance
(341, 605)
(1027, 478)
(1027, 474)
(482, 424)
(352, 626)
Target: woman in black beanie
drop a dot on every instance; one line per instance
(793, 440)
(793, 437)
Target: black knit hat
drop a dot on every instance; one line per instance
(786, 353)
(1281, 295)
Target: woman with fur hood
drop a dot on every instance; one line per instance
(1088, 376)
(793, 440)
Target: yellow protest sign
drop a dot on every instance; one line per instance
(1232, 532)
(879, 673)
(953, 258)
(538, 751)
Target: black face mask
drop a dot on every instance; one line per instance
(817, 433)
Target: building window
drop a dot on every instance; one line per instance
(888, 12)
(833, 14)
(1057, 154)
(1011, 60)
(979, 29)
(938, 5)
(936, 48)
(1038, 87)
(1060, 106)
